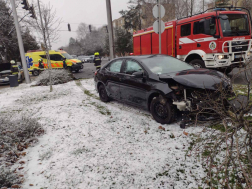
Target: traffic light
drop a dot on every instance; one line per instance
(90, 28)
(32, 12)
(69, 27)
(26, 5)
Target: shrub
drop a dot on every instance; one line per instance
(16, 135)
(8, 178)
(58, 76)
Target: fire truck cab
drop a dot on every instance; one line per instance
(220, 39)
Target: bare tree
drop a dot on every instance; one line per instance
(50, 20)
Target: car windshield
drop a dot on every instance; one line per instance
(234, 24)
(165, 64)
(67, 56)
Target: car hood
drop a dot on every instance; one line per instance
(197, 78)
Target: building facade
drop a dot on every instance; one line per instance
(146, 16)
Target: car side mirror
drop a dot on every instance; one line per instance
(138, 74)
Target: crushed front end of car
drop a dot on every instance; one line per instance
(195, 91)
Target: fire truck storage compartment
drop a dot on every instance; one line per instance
(149, 43)
(146, 44)
(137, 43)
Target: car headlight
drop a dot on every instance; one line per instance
(6, 79)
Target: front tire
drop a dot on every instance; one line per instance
(162, 113)
(103, 94)
(197, 63)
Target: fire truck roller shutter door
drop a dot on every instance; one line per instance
(137, 43)
(146, 44)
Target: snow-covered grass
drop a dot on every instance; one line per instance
(91, 144)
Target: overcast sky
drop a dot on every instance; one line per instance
(87, 11)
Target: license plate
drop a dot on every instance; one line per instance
(238, 56)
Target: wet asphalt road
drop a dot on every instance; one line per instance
(88, 71)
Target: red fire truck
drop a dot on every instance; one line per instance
(218, 38)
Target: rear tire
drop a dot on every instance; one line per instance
(103, 94)
(35, 73)
(162, 113)
(197, 63)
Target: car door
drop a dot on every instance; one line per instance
(134, 90)
(56, 61)
(113, 78)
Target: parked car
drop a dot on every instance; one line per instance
(90, 59)
(74, 56)
(159, 83)
(82, 58)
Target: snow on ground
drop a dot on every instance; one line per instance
(91, 144)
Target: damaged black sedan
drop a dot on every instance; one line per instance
(161, 84)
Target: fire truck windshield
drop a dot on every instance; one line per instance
(234, 24)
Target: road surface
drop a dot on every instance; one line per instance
(89, 70)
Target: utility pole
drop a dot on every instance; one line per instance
(159, 27)
(20, 42)
(110, 29)
(47, 52)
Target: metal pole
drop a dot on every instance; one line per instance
(20, 43)
(110, 29)
(47, 52)
(159, 27)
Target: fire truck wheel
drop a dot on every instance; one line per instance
(197, 63)
(35, 72)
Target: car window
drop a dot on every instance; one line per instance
(185, 30)
(56, 57)
(132, 67)
(43, 56)
(115, 66)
